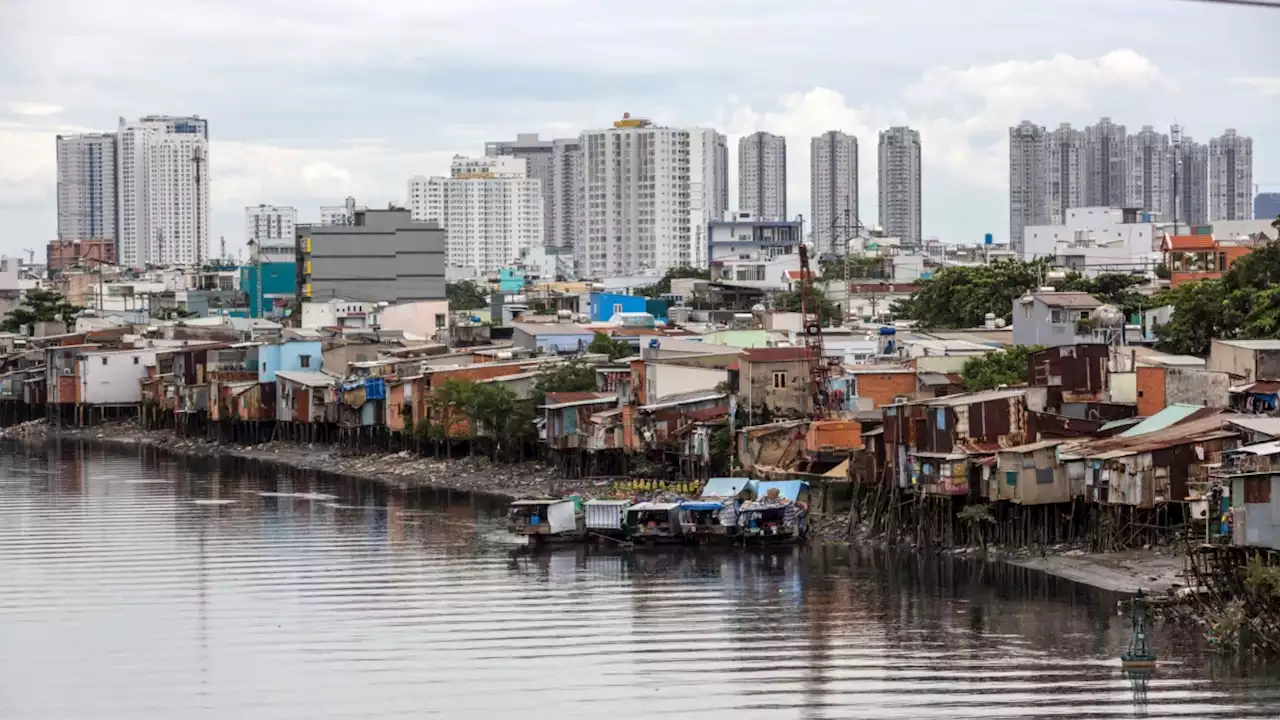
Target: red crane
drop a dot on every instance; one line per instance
(819, 370)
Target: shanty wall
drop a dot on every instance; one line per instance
(1032, 478)
(1255, 503)
(1196, 387)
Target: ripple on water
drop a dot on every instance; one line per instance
(168, 588)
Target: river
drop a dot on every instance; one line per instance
(137, 586)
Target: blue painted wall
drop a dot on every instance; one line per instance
(278, 278)
(288, 356)
(602, 305)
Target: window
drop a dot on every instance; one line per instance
(1055, 316)
(135, 359)
(104, 361)
(780, 380)
(440, 318)
(304, 361)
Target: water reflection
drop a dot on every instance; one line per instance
(176, 588)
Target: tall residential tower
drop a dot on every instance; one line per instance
(900, 184)
(162, 180)
(1028, 181)
(87, 186)
(1230, 177)
(833, 188)
(490, 209)
(557, 165)
(1148, 163)
(1104, 164)
(762, 175)
(648, 194)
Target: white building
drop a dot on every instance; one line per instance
(266, 225)
(114, 377)
(762, 175)
(162, 178)
(557, 164)
(833, 189)
(899, 184)
(490, 209)
(1231, 177)
(1148, 163)
(87, 186)
(648, 194)
(758, 252)
(339, 214)
(1095, 226)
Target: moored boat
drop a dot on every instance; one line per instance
(546, 520)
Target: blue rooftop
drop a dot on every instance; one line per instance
(727, 486)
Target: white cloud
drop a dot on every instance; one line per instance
(34, 108)
(1265, 86)
(963, 115)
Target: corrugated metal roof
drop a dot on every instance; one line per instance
(1191, 431)
(1264, 344)
(1122, 422)
(934, 379)
(1271, 447)
(975, 397)
(1080, 300)
(310, 379)
(1032, 447)
(1171, 415)
(1265, 425)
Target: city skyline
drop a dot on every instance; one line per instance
(405, 103)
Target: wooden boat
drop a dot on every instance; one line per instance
(546, 520)
(709, 521)
(654, 523)
(778, 515)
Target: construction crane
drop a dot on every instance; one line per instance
(819, 370)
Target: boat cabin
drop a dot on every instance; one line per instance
(653, 522)
(544, 520)
(710, 519)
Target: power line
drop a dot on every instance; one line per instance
(1270, 4)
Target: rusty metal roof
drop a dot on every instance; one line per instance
(1186, 433)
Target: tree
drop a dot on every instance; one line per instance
(572, 376)
(961, 296)
(1003, 367)
(604, 345)
(663, 286)
(465, 295)
(1245, 303)
(40, 305)
(815, 301)
(172, 313)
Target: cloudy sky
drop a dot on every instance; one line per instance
(312, 101)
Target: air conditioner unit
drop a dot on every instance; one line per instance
(66, 371)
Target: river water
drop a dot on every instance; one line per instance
(135, 586)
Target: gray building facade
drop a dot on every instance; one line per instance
(1105, 164)
(382, 256)
(833, 188)
(87, 186)
(558, 165)
(899, 184)
(762, 175)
